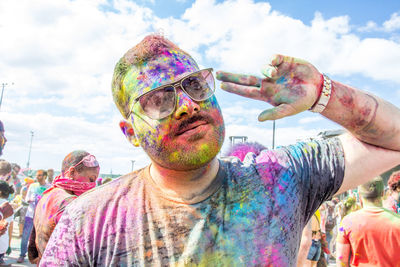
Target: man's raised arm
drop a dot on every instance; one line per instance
(293, 85)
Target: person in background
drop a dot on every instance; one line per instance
(106, 180)
(350, 205)
(15, 177)
(5, 170)
(21, 208)
(3, 139)
(371, 235)
(33, 195)
(5, 191)
(79, 172)
(392, 202)
(330, 223)
(50, 176)
(240, 150)
(6, 210)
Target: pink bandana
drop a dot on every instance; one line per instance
(66, 183)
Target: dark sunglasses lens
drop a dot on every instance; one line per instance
(199, 86)
(159, 103)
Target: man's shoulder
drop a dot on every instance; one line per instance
(110, 192)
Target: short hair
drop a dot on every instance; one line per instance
(15, 165)
(5, 189)
(372, 189)
(5, 167)
(394, 181)
(1, 126)
(43, 171)
(148, 49)
(72, 159)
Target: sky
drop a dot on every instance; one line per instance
(58, 57)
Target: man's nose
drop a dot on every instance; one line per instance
(185, 105)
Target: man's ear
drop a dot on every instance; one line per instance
(127, 130)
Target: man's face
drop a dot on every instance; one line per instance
(193, 134)
(3, 141)
(40, 177)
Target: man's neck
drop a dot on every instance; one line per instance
(372, 204)
(185, 186)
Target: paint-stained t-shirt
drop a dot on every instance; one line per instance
(374, 237)
(47, 214)
(254, 216)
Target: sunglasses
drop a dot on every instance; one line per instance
(161, 102)
(88, 161)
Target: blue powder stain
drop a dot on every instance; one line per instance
(281, 80)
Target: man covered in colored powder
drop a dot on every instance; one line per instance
(188, 208)
(371, 235)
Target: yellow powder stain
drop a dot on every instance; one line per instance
(174, 156)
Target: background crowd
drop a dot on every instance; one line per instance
(24, 189)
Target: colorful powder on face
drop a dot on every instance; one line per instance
(155, 73)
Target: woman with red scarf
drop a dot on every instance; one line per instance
(79, 172)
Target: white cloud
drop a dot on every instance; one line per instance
(393, 23)
(244, 43)
(310, 119)
(369, 27)
(56, 136)
(390, 25)
(61, 54)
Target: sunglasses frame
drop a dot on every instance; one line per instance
(174, 85)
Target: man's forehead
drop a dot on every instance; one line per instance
(166, 68)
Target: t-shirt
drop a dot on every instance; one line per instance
(374, 236)
(35, 191)
(254, 215)
(48, 212)
(4, 239)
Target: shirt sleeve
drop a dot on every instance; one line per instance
(29, 195)
(316, 171)
(63, 247)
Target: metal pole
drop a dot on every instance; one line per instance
(30, 148)
(2, 92)
(133, 163)
(273, 134)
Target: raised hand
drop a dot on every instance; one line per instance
(292, 85)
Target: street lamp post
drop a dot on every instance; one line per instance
(30, 148)
(2, 91)
(273, 134)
